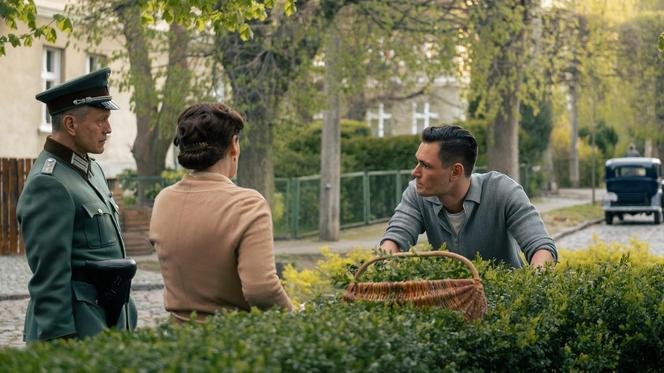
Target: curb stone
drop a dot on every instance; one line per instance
(575, 229)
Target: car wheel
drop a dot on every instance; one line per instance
(658, 217)
(608, 218)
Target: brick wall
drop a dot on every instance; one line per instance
(135, 222)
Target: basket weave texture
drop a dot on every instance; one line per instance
(462, 295)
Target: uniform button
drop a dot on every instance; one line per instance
(99, 211)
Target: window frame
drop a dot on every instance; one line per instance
(53, 77)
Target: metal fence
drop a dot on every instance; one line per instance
(365, 198)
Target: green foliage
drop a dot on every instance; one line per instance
(606, 138)
(128, 180)
(13, 12)
(604, 317)
(535, 130)
(298, 149)
(641, 68)
(599, 252)
(226, 15)
(382, 153)
(415, 268)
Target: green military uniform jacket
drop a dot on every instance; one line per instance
(67, 216)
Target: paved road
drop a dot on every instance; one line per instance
(640, 227)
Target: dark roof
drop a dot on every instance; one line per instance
(633, 161)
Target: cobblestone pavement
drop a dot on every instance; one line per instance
(15, 274)
(14, 277)
(149, 303)
(640, 227)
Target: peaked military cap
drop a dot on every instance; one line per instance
(90, 89)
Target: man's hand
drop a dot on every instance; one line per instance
(541, 259)
(389, 247)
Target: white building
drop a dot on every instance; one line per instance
(26, 71)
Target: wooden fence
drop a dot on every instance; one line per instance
(13, 172)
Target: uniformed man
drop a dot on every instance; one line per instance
(68, 219)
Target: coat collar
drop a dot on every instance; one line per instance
(474, 195)
(80, 163)
(210, 176)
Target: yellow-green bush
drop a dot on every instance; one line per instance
(600, 251)
(579, 318)
(333, 273)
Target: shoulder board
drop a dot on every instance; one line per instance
(49, 166)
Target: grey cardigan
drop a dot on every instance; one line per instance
(499, 219)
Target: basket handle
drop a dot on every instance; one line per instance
(448, 254)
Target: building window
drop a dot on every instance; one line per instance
(422, 120)
(94, 62)
(51, 76)
(382, 120)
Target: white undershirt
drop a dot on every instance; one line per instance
(456, 220)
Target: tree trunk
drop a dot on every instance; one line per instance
(255, 168)
(574, 134)
(260, 71)
(550, 171)
(154, 127)
(328, 223)
(503, 150)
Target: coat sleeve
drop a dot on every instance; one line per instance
(407, 223)
(46, 216)
(525, 224)
(260, 285)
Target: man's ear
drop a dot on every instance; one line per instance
(457, 171)
(69, 124)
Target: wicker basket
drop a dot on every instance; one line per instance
(463, 295)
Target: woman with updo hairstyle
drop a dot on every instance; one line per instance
(213, 238)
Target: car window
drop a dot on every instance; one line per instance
(630, 171)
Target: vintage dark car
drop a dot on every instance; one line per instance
(633, 186)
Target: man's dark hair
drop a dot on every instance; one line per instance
(204, 133)
(456, 145)
(78, 112)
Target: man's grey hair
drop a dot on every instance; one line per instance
(78, 112)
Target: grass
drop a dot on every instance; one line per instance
(566, 217)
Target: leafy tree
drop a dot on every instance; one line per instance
(641, 67)
(15, 12)
(262, 70)
(535, 130)
(606, 138)
(159, 93)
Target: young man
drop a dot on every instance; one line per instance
(69, 222)
(487, 214)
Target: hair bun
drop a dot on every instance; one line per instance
(195, 147)
(204, 134)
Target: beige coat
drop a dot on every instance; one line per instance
(214, 243)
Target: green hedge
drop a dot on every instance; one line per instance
(298, 154)
(607, 317)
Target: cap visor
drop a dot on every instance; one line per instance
(109, 105)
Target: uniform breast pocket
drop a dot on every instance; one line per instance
(99, 228)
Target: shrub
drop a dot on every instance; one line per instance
(606, 316)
